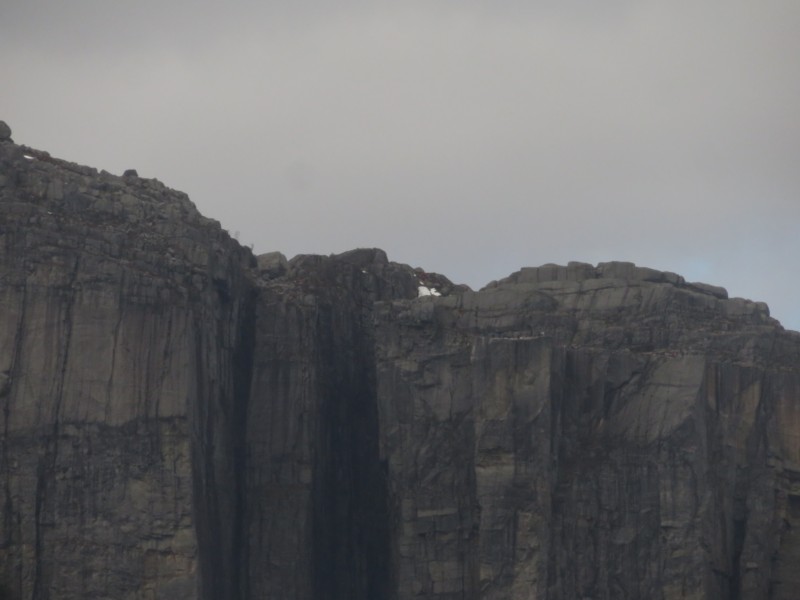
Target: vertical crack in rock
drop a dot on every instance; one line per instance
(45, 512)
(243, 360)
(12, 537)
(115, 344)
(219, 446)
(349, 500)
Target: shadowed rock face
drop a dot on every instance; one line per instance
(183, 420)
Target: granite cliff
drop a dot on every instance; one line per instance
(181, 419)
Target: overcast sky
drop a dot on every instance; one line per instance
(469, 138)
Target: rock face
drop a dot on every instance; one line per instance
(590, 432)
(184, 420)
(124, 322)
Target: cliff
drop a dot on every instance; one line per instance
(124, 332)
(181, 419)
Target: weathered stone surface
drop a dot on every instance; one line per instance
(183, 420)
(122, 310)
(615, 442)
(316, 524)
(272, 264)
(559, 434)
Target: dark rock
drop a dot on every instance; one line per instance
(111, 339)
(5, 132)
(571, 449)
(363, 257)
(713, 290)
(130, 173)
(183, 420)
(272, 264)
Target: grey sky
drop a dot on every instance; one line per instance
(462, 137)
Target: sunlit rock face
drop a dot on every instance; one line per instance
(181, 419)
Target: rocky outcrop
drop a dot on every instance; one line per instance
(184, 420)
(5, 132)
(590, 432)
(123, 364)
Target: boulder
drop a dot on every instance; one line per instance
(5, 132)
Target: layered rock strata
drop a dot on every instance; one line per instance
(183, 420)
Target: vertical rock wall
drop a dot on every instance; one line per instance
(316, 519)
(636, 448)
(121, 327)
